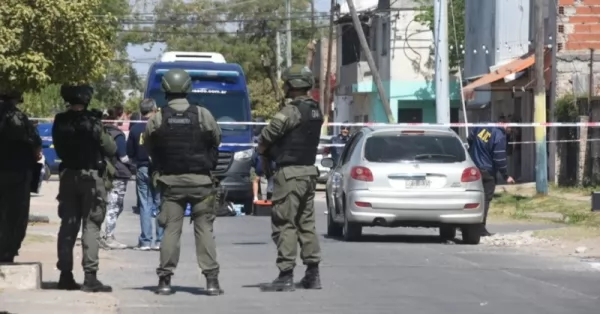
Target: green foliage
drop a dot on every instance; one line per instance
(263, 99)
(565, 108)
(132, 104)
(456, 30)
(53, 41)
(43, 103)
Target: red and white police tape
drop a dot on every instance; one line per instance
(359, 124)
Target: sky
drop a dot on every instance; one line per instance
(142, 56)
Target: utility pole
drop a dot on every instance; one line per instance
(288, 31)
(541, 164)
(367, 51)
(442, 74)
(327, 93)
(278, 54)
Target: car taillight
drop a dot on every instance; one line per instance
(361, 174)
(470, 174)
(325, 150)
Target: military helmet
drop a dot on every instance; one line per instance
(298, 76)
(176, 81)
(10, 93)
(77, 94)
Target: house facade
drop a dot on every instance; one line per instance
(401, 49)
(578, 44)
(499, 59)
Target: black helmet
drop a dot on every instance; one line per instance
(176, 81)
(77, 94)
(298, 76)
(7, 94)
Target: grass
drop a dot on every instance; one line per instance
(552, 208)
(570, 233)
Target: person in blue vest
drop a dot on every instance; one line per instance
(487, 147)
(148, 195)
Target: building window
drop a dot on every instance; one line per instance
(561, 10)
(350, 45)
(561, 29)
(559, 46)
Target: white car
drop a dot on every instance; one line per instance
(397, 176)
(323, 152)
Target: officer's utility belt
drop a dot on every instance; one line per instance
(171, 173)
(98, 166)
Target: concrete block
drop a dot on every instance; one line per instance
(21, 276)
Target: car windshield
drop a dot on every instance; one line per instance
(421, 148)
(225, 107)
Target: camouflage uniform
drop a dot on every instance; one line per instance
(291, 140)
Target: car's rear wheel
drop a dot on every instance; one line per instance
(447, 233)
(333, 229)
(471, 234)
(351, 231)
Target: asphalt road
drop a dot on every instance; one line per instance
(391, 271)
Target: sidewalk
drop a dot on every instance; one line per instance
(40, 246)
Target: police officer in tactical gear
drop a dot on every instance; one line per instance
(21, 149)
(83, 145)
(183, 142)
(291, 140)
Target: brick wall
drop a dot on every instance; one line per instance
(578, 32)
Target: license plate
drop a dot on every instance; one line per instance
(416, 184)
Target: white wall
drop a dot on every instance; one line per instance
(343, 108)
(408, 52)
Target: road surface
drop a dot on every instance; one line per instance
(391, 271)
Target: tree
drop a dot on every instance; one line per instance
(243, 31)
(456, 28)
(53, 41)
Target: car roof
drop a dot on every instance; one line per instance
(197, 65)
(394, 127)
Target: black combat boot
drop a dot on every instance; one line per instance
(67, 281)
(284, 282)
(213, 287)
(312, 279)
(92, 284)
(164, 286)
(485, 232)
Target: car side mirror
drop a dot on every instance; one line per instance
(466, 145)
(327, 162)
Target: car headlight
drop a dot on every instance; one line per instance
(243, 154)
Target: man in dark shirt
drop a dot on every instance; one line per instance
(148, 196)
(487, 147)
(342, 138)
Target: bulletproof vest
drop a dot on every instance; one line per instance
(77, 140)
(17, 150)
(123, 171)
(299, 147)
(182, 144)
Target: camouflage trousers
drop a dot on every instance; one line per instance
(114, 206)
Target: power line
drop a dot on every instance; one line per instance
(237, 32)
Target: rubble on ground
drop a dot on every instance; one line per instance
(515, 239)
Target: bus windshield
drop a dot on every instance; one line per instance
(225, 106)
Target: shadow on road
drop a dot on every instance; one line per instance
(394, 238)
(190, 290)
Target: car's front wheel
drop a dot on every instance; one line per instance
(471, 234)
(333, 229)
